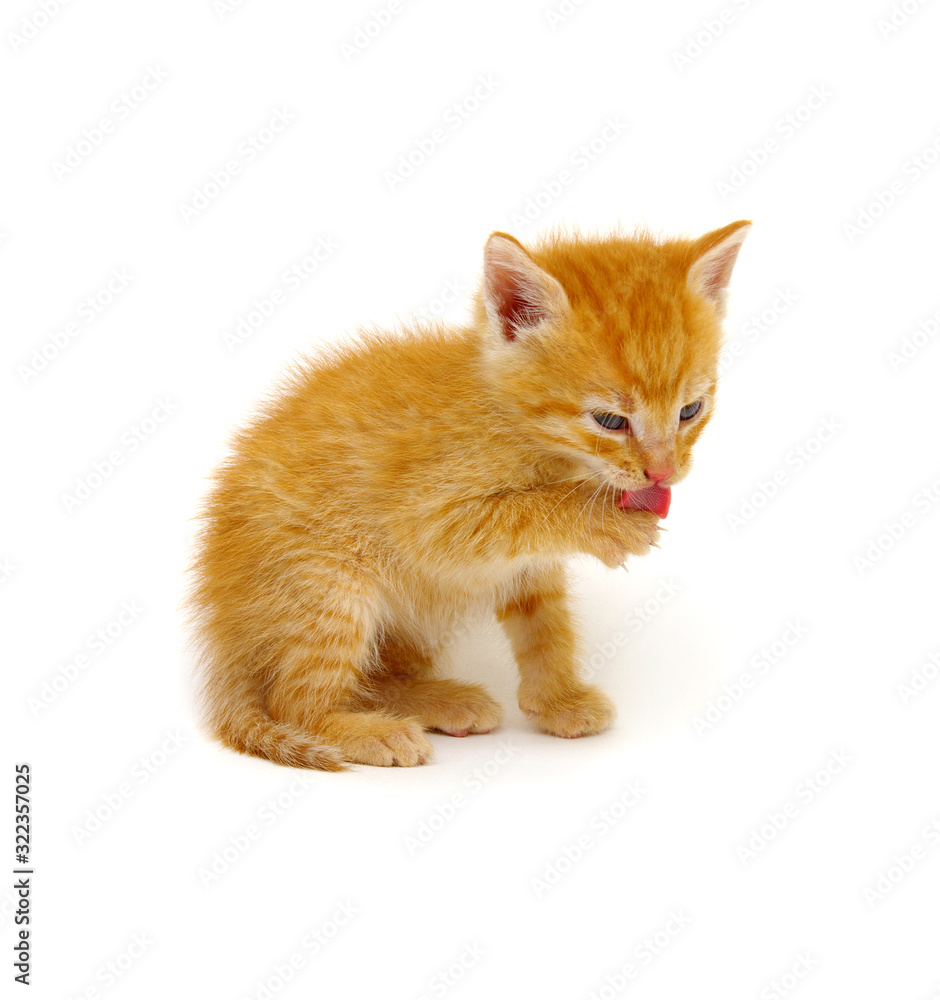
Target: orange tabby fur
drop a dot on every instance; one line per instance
(395, 486)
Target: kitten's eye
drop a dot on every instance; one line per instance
(689, 410)
(612, 421)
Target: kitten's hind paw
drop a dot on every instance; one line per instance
(443, 705)
(378, 739)
(583, 712)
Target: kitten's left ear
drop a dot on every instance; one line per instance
(714, 256)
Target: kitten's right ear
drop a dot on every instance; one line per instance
(715, 254)
(518, 295)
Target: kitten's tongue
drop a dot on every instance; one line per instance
(653, 498)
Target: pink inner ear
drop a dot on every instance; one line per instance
(715, 273)
(514, 302)
(711, 273)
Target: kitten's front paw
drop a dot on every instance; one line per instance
(636, 531)
(580, 713)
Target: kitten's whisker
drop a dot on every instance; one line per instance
(604, 507)
(590, 501)
(582, 478)
(568, 479)
(568, 494)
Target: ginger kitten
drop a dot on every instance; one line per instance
(398, 485)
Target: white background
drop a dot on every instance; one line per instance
(809, 521)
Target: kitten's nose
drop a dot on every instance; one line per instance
(657, 475)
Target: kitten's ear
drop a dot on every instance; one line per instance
(714, 257)
(517, 293)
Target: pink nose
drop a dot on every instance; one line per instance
(658, 475)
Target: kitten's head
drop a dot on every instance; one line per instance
(607, 349)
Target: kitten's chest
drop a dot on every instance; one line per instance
(438, 600)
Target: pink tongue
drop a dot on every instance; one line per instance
(653, 498)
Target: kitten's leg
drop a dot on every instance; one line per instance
(320, 675)
(406, 686)
(544, 641)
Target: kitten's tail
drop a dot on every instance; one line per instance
(235, 715)
(257, 734)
